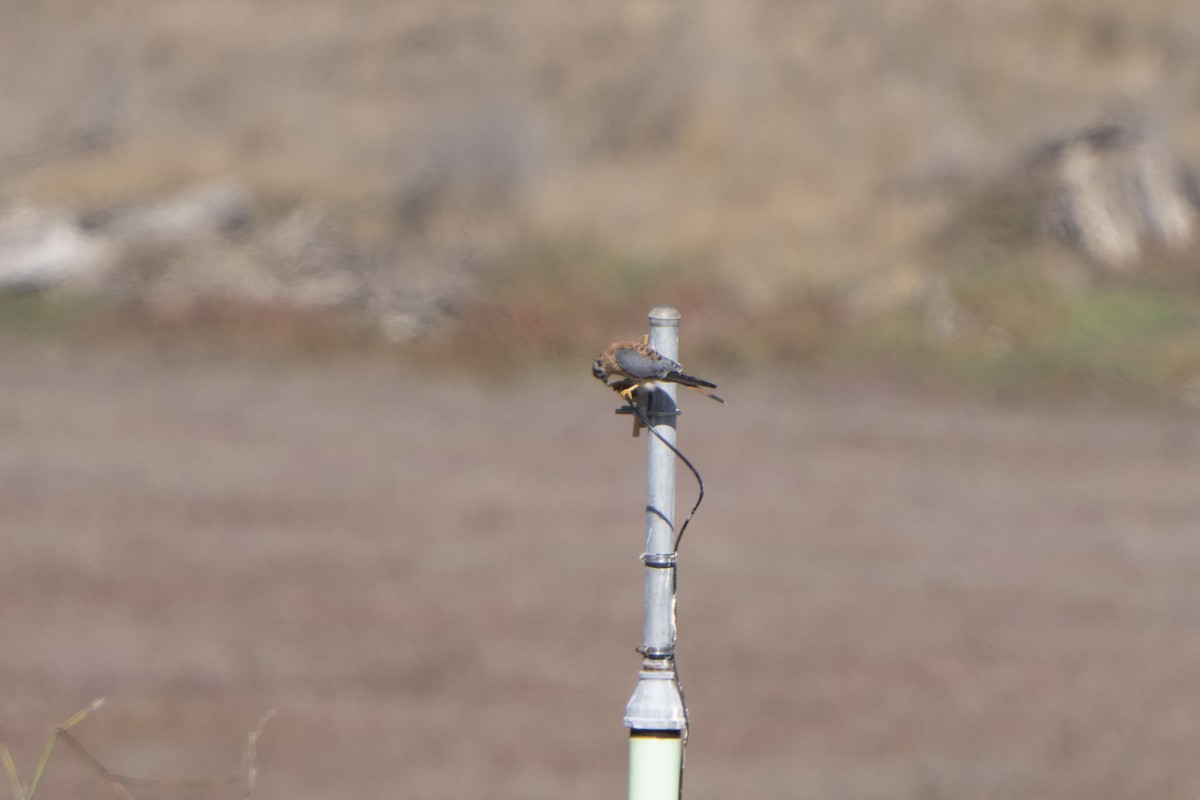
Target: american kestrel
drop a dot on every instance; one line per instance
(627, 366)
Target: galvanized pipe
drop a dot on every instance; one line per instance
(655, 714)
(659, 617)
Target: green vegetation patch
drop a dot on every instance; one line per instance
(1114, 318)
(48, 314)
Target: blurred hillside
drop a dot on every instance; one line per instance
(789, 174)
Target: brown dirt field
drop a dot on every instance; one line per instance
(889, 593)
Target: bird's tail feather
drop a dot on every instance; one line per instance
(675, 376)
(704, 392)
(692, 382)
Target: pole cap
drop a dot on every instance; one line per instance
(664, 315)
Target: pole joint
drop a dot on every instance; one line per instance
(656, 656)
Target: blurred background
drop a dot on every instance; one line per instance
(297, 302)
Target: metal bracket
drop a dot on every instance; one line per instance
(649, 414)
(660, 560)
(652, 416)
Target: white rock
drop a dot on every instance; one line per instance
(41, 248)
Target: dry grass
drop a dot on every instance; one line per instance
(767, 138)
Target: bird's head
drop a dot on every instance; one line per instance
(598, 368)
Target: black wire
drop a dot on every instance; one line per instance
(678, 537)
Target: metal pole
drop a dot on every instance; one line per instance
(655, 714)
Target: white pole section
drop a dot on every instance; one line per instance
(654, 766)
(655, 715)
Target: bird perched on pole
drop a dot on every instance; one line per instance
(628, 366)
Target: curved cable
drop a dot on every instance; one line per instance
(699, 480)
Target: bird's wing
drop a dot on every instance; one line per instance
(647, 365)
